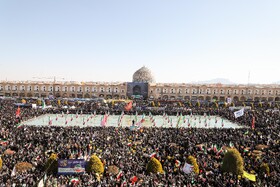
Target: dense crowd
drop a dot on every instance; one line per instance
(32, 144)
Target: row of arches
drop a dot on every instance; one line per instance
(50, 88)
(250, 91)
(221, 98)
(64, 95)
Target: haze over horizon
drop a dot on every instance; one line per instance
(179, 41)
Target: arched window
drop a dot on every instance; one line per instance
(22, 88)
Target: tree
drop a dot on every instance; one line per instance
(225, 104)
(233, 162)
(191, 160)
(252, 105)
(1, 163)
(216, 105)
(154, 166)
(264, 169)
(95, 165)
(51, 165)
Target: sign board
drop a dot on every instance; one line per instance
(229, 100)
(71, 166)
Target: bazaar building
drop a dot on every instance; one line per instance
(143, 85)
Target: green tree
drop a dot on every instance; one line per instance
(233, 162)
(154, 166)
(51, 165)
(191, 160)
(1, 163)
(95, 165)
(216, 105)
(264, 169)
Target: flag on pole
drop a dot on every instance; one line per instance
(136, 114)
(41, 183)
(249, 176)
(177, 163)
(4, 142)
(19, 125)
(133, 180)
(13, 172)
(119, 175)
(220, 151)
(253, 122)
(239, 113)
(71, 118)
(215, 148)
(50, 120)
(74, 181)
(43, 104)
(18, 112)
(153, 155)
(124, 183)
(128, 106)
(104, 120)
(179, 120)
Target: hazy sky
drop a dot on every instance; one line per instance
(107, 40)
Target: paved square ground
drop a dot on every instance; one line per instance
(160, 121)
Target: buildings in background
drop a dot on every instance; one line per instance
(143, 85)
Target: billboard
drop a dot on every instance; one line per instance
(71, 166)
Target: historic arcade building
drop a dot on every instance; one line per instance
(143, 85)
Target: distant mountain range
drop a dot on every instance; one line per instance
(215, 81)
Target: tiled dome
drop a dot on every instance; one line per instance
(143, 75)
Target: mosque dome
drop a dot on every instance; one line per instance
(143, 75)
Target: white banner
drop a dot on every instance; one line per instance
(229, 100)
(187, 168)
(239, 113)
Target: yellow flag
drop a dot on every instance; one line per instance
(249, 176)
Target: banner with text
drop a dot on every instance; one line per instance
(71, 166)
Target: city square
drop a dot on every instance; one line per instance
(139, 93)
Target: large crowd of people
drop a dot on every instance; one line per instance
(130, 150)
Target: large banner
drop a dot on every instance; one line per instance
(71, 166)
